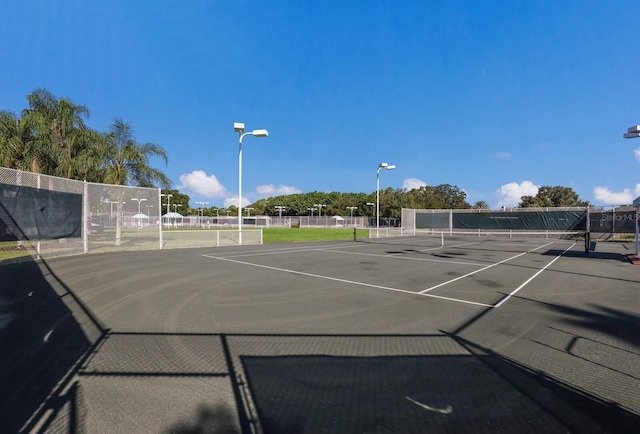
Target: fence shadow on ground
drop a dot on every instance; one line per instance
(45, 333)
(292, 383)
(357, 383)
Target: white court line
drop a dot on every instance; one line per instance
(501, 302)
(482, 269)
(352, 282)
(282, 250)
(398, 256)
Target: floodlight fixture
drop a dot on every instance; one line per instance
(632, 132)
(380, 167)
(239, 128)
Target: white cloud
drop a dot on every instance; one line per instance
(281, 190)
(511, 193)
(637, 154)
(199, 182)
(608, 197)
(233, 200)
(503, 154)
(412, 183)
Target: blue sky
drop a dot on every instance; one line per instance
(494, 97)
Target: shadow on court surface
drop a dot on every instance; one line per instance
(310, 382)
(45, 331)
(618, 324)
(480, 392)
(328, 383)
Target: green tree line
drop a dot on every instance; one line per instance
(363, 204)
(335, 203)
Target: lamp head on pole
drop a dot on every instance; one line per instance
(260, 133)
(386, 166)
(238, 127)
(632, 132)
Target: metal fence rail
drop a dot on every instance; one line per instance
(114, 218)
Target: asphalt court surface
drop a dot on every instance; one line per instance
(380, 335)
(472, 272)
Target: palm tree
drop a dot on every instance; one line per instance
(481, 204)
(60, 124)
(125, 162)
(20, 145)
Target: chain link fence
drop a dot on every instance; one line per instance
(549, 221)
(111, 218)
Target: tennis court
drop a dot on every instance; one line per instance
(380, 335)
(470, 270)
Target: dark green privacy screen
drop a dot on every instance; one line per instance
(432, 220)
(34, 214)
(517, 220)
(531, 220)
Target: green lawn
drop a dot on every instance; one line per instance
(9, 251)
(289, 235)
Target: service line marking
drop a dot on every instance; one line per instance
(401, 256)
(278, 251)
(351, 282)
(512, 293)
(482, 269)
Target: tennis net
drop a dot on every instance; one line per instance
(508, 240)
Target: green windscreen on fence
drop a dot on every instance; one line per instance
(530, 220)
(35, 214)
(432, 220)
(549, 220)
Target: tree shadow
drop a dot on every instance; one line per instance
(614, 322)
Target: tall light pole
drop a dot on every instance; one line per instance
(139, 202)
(168, 196)
(149, 214)
(238, 127)
(632, 133)
(248, 209)
(201, 211)
(371, 204)
(175, 210)
(319, 206)
(111, 202)
(380, 167)
(351, 208)
(139, 216)
(280, 208)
